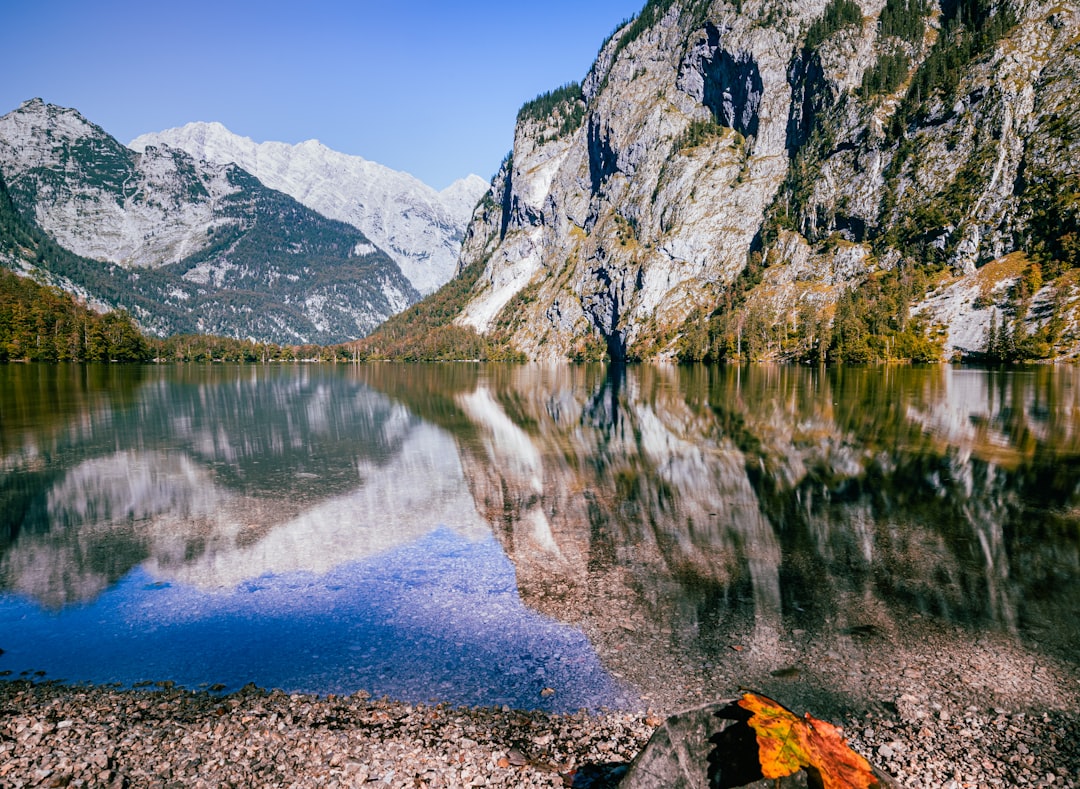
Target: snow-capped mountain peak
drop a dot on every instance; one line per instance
(418, 226)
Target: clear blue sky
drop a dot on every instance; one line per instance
(431, 88)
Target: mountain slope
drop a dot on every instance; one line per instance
(418, 226)
(187, 246)
(780, 180)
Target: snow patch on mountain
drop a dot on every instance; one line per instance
(419, 227)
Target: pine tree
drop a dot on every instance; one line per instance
(993, 339)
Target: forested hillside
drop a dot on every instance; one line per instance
(40, 323)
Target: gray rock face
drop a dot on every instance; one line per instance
(716, 137)
(618, 225)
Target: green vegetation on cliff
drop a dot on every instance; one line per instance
(904, 19)
(1054, 229)
(970, 29)
(887, 74)
(873, 321)
(651, 15)
(565, 102)
(426, 330)
(838, 14)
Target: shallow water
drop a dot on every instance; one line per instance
(541, 537)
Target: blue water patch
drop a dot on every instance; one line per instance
(439, 620)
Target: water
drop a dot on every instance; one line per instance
(542, 537)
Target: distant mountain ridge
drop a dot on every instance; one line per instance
(184, 245)
(419, 227)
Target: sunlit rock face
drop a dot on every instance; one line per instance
(600, 223)
(618, 227)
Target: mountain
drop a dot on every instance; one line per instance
(776, 180)
(419, 227)
(183, 245)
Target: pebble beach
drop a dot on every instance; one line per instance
(53, 735)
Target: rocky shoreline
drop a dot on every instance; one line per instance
(54, 735)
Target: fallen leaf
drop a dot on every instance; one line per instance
(788, 743)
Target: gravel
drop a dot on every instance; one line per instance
(927, 745)
(57, 735)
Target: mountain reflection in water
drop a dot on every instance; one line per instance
(701, 526)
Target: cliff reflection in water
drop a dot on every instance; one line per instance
(682, 517)
(700, 510)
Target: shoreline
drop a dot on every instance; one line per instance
(60, 735)
(75, 735)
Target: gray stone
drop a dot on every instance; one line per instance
(678, 755)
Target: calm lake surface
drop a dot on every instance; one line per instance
(543, 537)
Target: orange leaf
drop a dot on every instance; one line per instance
(788, 743)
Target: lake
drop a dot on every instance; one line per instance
(543, 537)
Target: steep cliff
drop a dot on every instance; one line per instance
(786, 180)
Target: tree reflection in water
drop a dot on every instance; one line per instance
(786, 514)
(706, 527)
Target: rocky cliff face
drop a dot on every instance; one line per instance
(98, 199)
(420, 228)
(756, 161)
(188, 246)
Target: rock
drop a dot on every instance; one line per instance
(711, 746)
(680, 753)
(620, 226)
